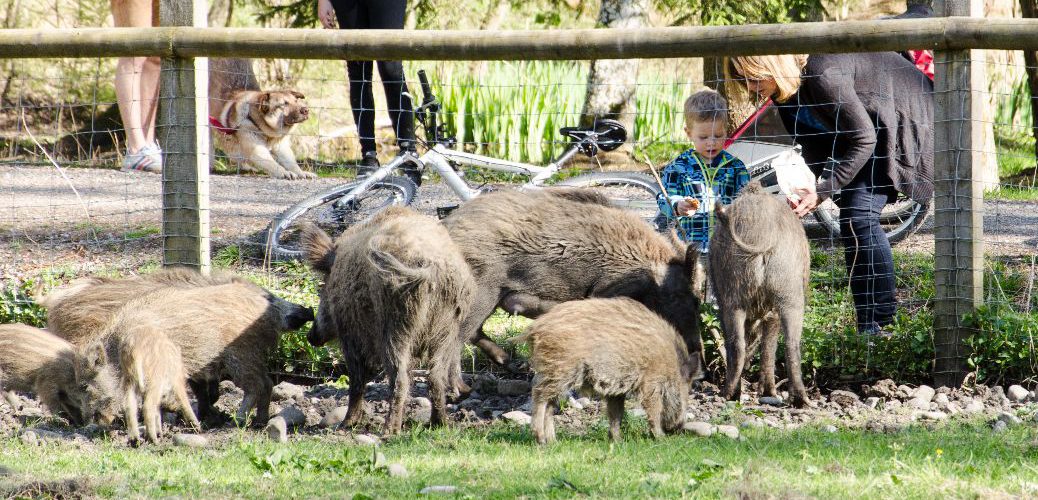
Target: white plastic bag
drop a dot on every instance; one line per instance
(792, 174)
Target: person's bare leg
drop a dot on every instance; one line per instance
(136, 80)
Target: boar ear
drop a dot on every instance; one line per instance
(95, 356)
(318, 248)
(297, 94)
(691, 260)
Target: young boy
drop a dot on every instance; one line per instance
(703, 175)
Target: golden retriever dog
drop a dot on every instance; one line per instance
(252, 126)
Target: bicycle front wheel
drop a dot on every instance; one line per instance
(630, 191)
(333, 216)
(899, 220)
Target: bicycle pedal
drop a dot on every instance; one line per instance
(443, 212)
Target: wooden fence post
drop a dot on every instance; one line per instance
(183, 132)
(958, 200)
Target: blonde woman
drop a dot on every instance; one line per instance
(137, 89)
(865, 122)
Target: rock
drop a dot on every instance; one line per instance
(885, 388)
(843, 398)
(190, 440)
(366, 440)
(293, 416)
(277, 429)
(584, 401)
(438, 489)
(334, 417)
(930, 415)
(636, 412)
(754, 423)
(924, 393)
(471, 404)
(380, 460)
(517, 417)
(953, 408)
(831, 429)
(703, 429)
(728, 430)
(1017, 394)
(397, 470)
(287, 390)
(999, 426)
(892, 404)
(513, 387)
(872, 402)
(420, 410)
(575, 403)
(1009, 418)
(918, 404)
(974, 406)
(30, 438)
(770, 400)
(484, 384)
(941, 399)
(904, 391)
(38, 436)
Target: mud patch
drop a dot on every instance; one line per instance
(68, 489)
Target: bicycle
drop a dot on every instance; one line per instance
(339, 207)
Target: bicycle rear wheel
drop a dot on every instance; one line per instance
(630, 191)
(325, 210)
(900, 219)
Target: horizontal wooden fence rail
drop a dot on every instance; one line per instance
(951, 33)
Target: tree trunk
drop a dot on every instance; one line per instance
(1029, 9)
(611, 83)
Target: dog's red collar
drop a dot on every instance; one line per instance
(215, 122)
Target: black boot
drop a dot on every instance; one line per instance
(368, 164)
(407, 147)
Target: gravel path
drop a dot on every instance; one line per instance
(99, 218)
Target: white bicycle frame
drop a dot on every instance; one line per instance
(441, 158)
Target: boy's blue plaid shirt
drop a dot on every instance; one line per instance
(687, 177)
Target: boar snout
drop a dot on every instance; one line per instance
(298, 317)
(315, 336)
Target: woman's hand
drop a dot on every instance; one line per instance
(804, 202)
(326, 13)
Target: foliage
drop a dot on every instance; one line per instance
(17, 305)
(722, 12)
(1002, 346)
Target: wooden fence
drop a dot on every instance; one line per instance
(183, 43)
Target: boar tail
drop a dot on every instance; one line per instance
(750, 249)
(398, 273)
(318, 248)
(724, 219)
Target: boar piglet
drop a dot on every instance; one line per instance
(34, 360)
(532, 250)
(760, 266)
(221, 331)
(395, 289)
(612, 348)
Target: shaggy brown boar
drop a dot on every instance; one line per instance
(612, 348)
(221, 331)
(34, 360)
(395, 288)
(149, 365)
(760, 265)
(80, 311)
(532, 250)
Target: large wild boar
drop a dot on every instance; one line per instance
(532, 250)
(80, 311)
(612, 348)
(396, 288)
(34, 360)
(221, 330)
(149, 366)
(760, 266)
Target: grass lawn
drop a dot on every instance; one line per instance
(954, 460)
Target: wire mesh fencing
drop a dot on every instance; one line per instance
(69, 211)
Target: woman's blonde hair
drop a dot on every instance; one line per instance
(784, 68)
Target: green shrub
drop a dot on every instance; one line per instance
(1002, 346)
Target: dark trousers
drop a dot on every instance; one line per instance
(377, 14)
(870, 262)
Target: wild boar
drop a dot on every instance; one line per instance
(221, 331)
(395, 288)
(760, 266)
(80, 311)
(34, 360)
(149, 365)
(532, 250)
(613, 348)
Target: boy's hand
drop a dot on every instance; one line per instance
(686, 206)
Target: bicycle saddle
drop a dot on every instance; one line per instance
(606, 134)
